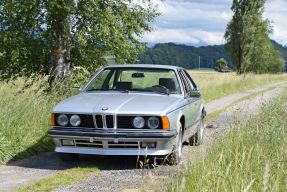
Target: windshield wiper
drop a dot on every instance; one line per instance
(121, 91)
(94, 90)
(160, 92)
(128, 91)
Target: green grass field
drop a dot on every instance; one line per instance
(216, 85)
(25, 109)
(250, 158)
(203, 70)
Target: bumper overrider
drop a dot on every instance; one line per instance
(113, 142)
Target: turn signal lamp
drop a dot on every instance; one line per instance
(165, 123)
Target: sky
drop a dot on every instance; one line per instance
(203, 22)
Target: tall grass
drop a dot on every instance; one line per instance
(25, 110)
(216, 85)
(250, 158)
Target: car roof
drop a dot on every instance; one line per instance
(144, 66)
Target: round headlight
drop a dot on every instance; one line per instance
(63, 120)
(153, 122)
(75, 120)
(138, 122)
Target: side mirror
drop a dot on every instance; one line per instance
(195, 93)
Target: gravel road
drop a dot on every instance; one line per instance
(121, 173)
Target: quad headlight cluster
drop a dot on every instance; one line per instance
(63, 120)
(140, 122)
(123, 122)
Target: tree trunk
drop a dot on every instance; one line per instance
(60, 60)
(60, 57)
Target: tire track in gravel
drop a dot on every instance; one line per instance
(121, 173)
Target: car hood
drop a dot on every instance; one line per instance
(118, 103)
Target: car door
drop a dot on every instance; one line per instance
(197, 101)
(189, 109)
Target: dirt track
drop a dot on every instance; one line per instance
(120, 174)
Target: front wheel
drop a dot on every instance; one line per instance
(175, 157)
(197, 138)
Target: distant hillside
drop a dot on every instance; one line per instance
(188, 56)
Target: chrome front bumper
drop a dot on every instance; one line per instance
(111, 142)
(125, 152)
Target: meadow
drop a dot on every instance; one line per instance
(25, 109)
(252, 157)
(26, 105)
(214, 85)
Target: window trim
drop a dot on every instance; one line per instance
(190, 80)
(184, 82)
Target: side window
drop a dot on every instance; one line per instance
(185, 84)
(190, 81)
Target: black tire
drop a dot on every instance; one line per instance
(175, 157)
(197, 138)
(68, 157)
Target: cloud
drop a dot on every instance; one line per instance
(276, 12)
(195, 14)
(184, 36)
(202, 22)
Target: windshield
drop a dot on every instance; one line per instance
(135, 79)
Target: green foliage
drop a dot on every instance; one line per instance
(25, 109)
(184, 55)
(247, 39)
(79, 76)
(251, 157)
(220, 64)
(188, 56)
(282, 50)
(33, 33)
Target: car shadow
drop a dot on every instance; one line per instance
(51, 161)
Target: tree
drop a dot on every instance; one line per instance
(248, 42)
(220, 64)
(51, 36)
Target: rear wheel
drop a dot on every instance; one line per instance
(197, 138)
(175, 157)
(68, 156)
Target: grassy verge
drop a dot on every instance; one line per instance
(216, 85)
(61, 179)
(25, 109)
(250, 158)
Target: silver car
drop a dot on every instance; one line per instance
(146, 110)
